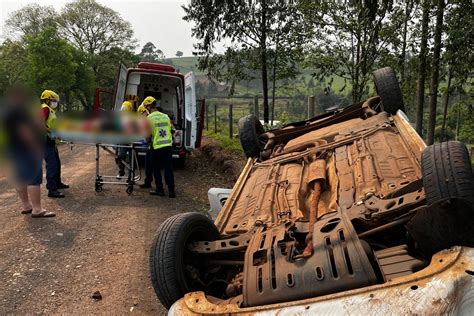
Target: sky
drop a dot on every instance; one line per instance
(156, 21)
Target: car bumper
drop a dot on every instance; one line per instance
(178, 152)
(446, 286)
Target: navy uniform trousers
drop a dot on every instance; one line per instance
(53, 165)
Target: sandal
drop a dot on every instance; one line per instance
(27, 211)
(44, 214)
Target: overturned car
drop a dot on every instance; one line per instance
(349, 207)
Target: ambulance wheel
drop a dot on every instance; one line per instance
(98, 187)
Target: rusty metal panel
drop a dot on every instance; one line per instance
(274, 272)
(444, 287)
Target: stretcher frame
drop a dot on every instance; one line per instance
(132, 167)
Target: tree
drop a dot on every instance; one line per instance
(458, 55)
(94, 28)
(13, 64)
(422, 68)
(179, 53)
(435, 71)
(348, 38)
(31, 19)
(151, 54)
(254, 28)
(51, 63)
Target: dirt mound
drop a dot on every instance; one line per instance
(231, 163)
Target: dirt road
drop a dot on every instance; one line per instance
(97, 242)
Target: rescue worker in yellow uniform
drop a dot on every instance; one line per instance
(160, 149)
(49, 103)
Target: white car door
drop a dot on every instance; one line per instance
(120, 85)
(190, 111)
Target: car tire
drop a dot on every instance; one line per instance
(447, 172)
(388, 89)
(250, 129)
(169, 250)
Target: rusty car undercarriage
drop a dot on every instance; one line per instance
(330, 204)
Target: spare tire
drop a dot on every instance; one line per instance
(250, 129)
(170, 259)
(388, 89)
(447, 172)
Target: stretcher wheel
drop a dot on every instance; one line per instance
(98, 188)
(129, 189)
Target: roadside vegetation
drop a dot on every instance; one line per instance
(280, 51)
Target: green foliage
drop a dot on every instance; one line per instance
(231, 144)
(261, 33)
(13, 64)
(94, 28)
(151, 54)
(349, 38)
(51, 62)
(32, 19)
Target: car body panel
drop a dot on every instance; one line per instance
(446, 286)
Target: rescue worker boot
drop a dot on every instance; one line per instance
(63, 186)
(158, 191)
(55, 194)
(171, 193)
(145, 186)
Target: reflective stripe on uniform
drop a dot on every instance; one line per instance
(161, 142)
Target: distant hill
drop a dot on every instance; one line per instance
(185, 64)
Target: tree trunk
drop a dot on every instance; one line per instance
(404, 41)
(446, 101)
(435, 71)
(274, 80)
(263, 61)
(422, 70)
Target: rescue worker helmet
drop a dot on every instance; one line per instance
(127, 106)
(142, 109)
(149, 101)
(49, 95)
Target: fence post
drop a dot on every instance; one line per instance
(311, 101)
(231, 122)
(255, 106)
(215, 118)
(207, 117)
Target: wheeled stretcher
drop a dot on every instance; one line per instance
(132, 167)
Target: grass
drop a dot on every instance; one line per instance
(227, 143)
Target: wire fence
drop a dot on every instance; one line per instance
(223, 114)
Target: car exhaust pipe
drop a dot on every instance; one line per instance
(317, 177)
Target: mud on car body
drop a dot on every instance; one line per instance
(332, 208)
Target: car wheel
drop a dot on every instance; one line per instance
(171, 263)
(447, 172)
(388, 89)
(250, 129)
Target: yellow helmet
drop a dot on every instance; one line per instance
(142, 109)
(148, 100)
(49, 95)
(127, 106)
